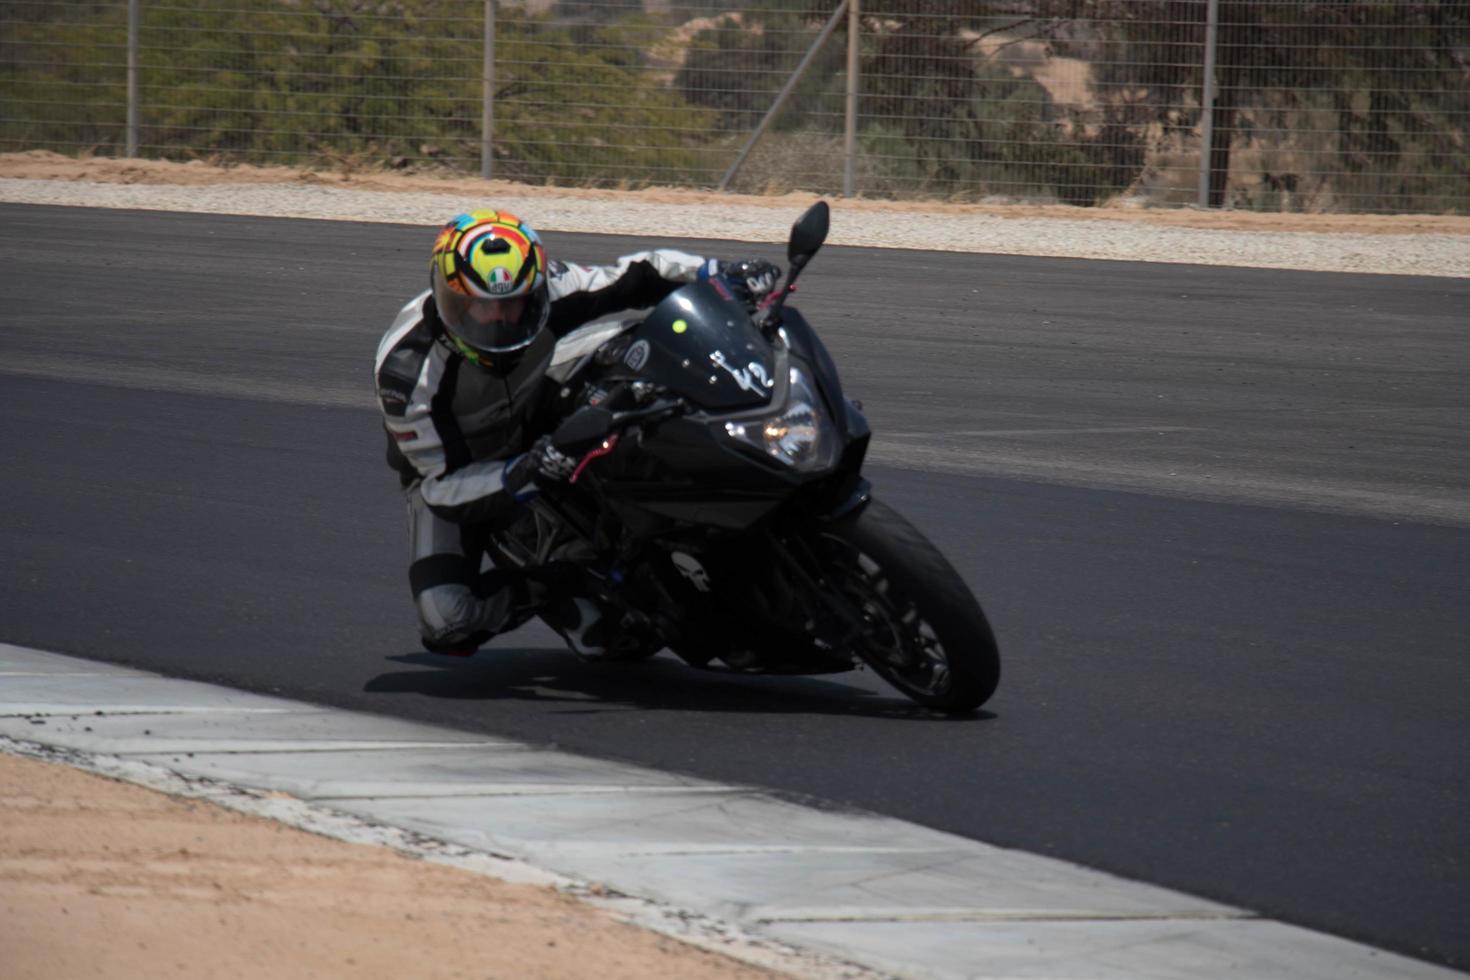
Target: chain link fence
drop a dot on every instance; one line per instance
(1253, 104)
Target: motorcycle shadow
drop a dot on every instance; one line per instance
(662, 683)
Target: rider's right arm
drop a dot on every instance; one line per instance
(409, 368)
(468, 495)
(407, 373)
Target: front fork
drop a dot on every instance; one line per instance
(831, 619)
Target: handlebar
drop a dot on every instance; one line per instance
(657, 412)
(613, 424)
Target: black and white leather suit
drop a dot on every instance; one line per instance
(453, 427)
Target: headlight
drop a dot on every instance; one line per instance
(800, 435)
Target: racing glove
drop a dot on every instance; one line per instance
(543, 463)
(751, 279)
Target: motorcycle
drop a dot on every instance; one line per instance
(718, 506)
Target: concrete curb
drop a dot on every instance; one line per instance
(815, 893)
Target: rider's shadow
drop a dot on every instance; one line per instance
(661, 683)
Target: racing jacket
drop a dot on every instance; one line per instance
(453, 426)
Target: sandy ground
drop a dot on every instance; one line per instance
(105, 879)
(45, 165)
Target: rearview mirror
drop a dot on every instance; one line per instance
(808, 234)
(582, 430)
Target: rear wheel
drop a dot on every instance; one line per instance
(921, 629)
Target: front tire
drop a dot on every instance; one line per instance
(922, 629)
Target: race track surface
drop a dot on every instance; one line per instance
(1217, 516)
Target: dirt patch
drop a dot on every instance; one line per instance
(45, 165)
(100, 878)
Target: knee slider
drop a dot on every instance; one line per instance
(448, 613)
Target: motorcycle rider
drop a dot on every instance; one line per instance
(460, 380)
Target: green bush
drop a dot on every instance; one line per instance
(936, 117)
(266, 81)
(63, 76)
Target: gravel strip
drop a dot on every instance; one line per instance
(1420, 254)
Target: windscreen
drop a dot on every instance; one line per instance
(700, 343)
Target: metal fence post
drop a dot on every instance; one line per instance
(130, 147)
(487, 96)
(785, 93)
(850, 124)
(1207, 102)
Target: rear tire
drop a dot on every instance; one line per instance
(924, 632)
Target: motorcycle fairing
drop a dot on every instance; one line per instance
(573, 350)
(699, 342)
(805, 344)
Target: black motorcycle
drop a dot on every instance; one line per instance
(719, 509)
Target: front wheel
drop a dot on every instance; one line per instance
(921, 628)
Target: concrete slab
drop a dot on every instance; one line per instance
(688, 817)
(738, 827)
(465, 770)
(875, 885)
(751, 859)
(1103, 950)
(123, 692)
(306, 730)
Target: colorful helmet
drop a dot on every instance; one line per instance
(488, 273)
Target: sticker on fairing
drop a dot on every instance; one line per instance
(637, 355)
(752, 378)
(691, 569)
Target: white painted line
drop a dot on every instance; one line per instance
(747, 850)
(527, 789)
(253, 748)
(39, 673)
(920, 914)
(1007, 433)
(1076, 431)
(806, 891)
(79, 708)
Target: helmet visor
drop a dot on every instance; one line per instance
(491, 325)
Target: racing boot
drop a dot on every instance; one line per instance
(581, 623)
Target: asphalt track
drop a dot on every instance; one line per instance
(1248, 682)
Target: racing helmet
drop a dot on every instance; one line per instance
(488, 274)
